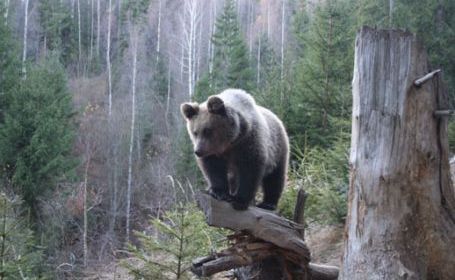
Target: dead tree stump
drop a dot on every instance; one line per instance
(401, 219)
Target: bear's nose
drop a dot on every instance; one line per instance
(198, 153)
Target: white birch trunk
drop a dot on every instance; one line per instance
(283, 20)
(84, 235)
(268, 19)
(108, 58)
(212, 48)
(98, 25)
(6, 11)
(72, 9)
(168, 98)
(91, 29)
(24, 53)
(79, 29)
(250, 21)
(258, 68)
(131, 145)
(391, 5)
(158, 39)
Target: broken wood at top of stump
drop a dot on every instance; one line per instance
(262, 224)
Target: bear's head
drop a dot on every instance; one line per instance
(213, 126)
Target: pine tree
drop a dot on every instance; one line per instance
(36, 136)
(9, 66)
(20, 257)
(322, 98)
(231, 66)
(183, 235)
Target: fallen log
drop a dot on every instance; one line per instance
(260, 236)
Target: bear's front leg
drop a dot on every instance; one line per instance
(215, 171)
(249, 174)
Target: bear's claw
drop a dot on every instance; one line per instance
(266, 206)
(221, 196)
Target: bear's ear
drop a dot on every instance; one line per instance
(189, 110)
(215, 105)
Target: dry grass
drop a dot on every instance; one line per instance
(325, 243)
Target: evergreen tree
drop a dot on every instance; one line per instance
(231, 66)
(36, 136)
(9, 66)
(269, 89)
(184, 236)
(322, 99)
(20, 257)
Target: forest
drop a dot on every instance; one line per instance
(97, 172)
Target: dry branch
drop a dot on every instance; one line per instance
(419, 82)
(442, 113)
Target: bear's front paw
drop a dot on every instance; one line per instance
(238, 205)
(266, 206)
(221, 196)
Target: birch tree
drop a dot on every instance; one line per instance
(191, 24)
(158, 36)
(108, 58)
(134, 39)
(79, 42)
(91, 29)
(5, 15)
(98, 25)
(24, 52)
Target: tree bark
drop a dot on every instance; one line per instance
(108, 58)
(131, 145)
(24, 53)
(401, 219)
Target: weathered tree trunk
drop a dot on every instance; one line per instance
(401, 220)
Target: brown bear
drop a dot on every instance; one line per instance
(239, 146)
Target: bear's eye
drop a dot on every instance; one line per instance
(195, 133)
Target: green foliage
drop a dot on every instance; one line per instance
(20, 257)
(182, 235)
(186, 165)
(9, 66)
(231, 66)
(324, 176)
(269, 90)
(322, 97)
(37, 135)
(55, 20)
(134, 10)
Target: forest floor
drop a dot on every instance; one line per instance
(325, 243)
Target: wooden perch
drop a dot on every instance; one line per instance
(260, 235)
(442, 113)
(419, 82)
(260, 223)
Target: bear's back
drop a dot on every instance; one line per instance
(238, 99)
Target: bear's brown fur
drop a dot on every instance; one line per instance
(239, 146)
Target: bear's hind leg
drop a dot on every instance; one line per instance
(272, 186)
(215, 171)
